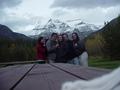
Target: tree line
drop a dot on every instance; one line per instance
(106, 42)
(16, 50)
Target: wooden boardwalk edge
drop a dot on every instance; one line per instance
(64, 70)
(22, 62)
(17, 82)
(84, 73)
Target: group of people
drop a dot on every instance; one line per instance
(61, 49)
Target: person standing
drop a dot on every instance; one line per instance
(60, 51)
(41, 49)
(68, 49)
(51, 45)
(80, 51)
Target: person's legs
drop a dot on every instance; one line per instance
(71, 61)
(84, 59)
(76, 61)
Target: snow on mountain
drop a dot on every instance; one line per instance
(56, 26)
(82, 28)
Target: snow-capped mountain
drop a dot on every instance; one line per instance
(82, 28)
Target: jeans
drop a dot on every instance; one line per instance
(80, 60)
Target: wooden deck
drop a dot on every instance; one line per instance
(44, 76)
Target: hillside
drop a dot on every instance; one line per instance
(15, 46)
(105, 42)
(7, 33)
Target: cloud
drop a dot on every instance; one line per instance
(5, 17)
(9, 3)
(88, 15)
(85, 3)
(59, 12)
(20, 23)
(100, 10)
(2, 14)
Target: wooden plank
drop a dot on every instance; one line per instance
(6, 69)
(22, 62)
(44, 77)
(10, 75)
(85, 73)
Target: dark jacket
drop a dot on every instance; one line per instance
(80, 48)
(60, 52)
(69, 51)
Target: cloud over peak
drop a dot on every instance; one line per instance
(9, 3)
(85, 3)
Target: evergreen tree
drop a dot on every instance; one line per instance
(111, 35)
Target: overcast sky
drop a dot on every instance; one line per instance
(22, 15)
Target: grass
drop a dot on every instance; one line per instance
(103, 63)
(99, 63)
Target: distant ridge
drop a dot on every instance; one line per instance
(7, 33)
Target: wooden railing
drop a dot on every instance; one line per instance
(21, 62)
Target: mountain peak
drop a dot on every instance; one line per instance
(75, 22)
(55, 25)
(54, 21)
(81, 23)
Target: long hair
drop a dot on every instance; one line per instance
(39, 40)
(77, 39)
(53, 34)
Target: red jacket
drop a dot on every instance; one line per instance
(41, 51)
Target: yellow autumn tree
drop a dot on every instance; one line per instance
(94, 45)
